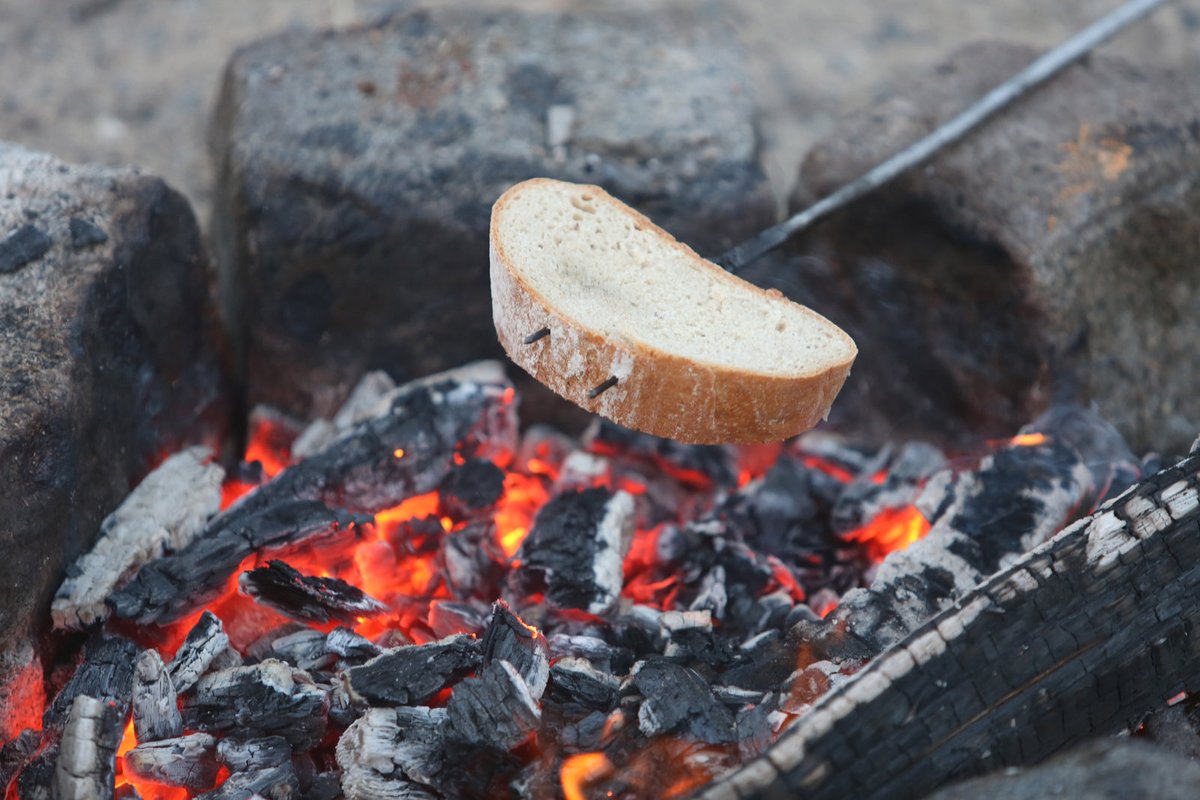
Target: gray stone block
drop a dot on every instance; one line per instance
(108, 359)
(357, 169)
(1054, 253)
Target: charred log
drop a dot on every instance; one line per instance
(272, 783)
(509, 639)
(87, 755)
(471, 487)
(155, 709)
(575, 550)
(677, 700)
(204, 644)
(167, 510)
(260, 700)
(867, 495)
(106, 674)
(349, 646)
(575, 683)
(173, 586)
(304, 649)
(305, 597)
(493, 709)
(1079, 638)
(249, 755)
(393, 748)
(413, 674)
(188, 761)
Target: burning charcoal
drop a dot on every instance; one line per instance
(582, 470)
(106, 672)
(249, 755)
(1113, 465)
(349, 646)
(575, 550)
(753, 732)
(362, 404)
(867, 497)
(737, 697)
(575, 680)
(676, 699)
(692, 464)
(87, 755)
(471, 487)
(447, 617)
(493, 709)
(16, 752)
(325, 786)
(783, 508)
(588, 734)
(509, 639)
(307, 598)
(833, 450)
(272, 783)
(188, 761)
(37, 779)
(542, 450)
(166, 511)
(413, 674)
(390, 744)
(155, 710)
(171, 587)
(204, 643)
(601, 654)
(304, 649)
(686, 631)
(473, 564)
(260, 700)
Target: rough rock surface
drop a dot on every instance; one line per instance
(107, 358)
(1052, 252)
(1106, 769)
(357, 169)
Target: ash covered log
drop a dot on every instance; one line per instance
(271, 783)
(248, 755)
(260, 700)
(1079, 638)
(204, 644)
(108, 348)
(303, 648)
(406, 450)
(173, 586)
(388, 750)
(508, 638)
(575, 550)
(87, 755)
(575, 681)
(165, 512)
(106, 673)
(495, 708)
(305, 597)
(187, 761)
(415, 673)
(155, 705)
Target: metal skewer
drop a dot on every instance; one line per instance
(1044, 67)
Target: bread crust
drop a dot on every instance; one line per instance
(657, 392)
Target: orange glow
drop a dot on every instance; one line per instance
(233, 490)
(262, 449)
(1029, 439)
(398, 452)
(422, 505)
(148, 790)
(580, 770)
(830, 469)
(523, 496)
(893, 529)
(26, 700)
(786, 580)
(510, 541)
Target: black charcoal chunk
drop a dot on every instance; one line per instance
(272, 783)
(27, 243)
(260, 700)
(602, 655)
(86, 765)
(305, 597)
(324, 786)
(85, 234)
(155, 709)
(576, 681)
(696, 465)
(508, 638)
(304, 649)
(575, 550)
(106, 673)
(247, 755)
(188, 761)
(413, 674)
(204, 644)
(493, 709)
(677, 700)
(472, 487)
(36, 779)
(350, 647)
(405, 743)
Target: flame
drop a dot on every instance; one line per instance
(398, 452)
(148, 790)
(1029, 439)
(892, 529)
(580, 770)
(523, 496)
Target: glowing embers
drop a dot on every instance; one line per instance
(892, 529)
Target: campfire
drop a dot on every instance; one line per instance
(417, 599)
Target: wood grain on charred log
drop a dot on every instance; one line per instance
(269, 698)
(413, 674)
(87, 755)
(155, 707)
(188, 761)
(305, 597)
(1078, 638)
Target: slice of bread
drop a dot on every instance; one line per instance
(697, 354)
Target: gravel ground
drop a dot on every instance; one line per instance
(132, 81)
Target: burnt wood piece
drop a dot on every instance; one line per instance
(393, 747)
(155, 707)
(272, 783)
(248, 755)
(260, 700)
(106, 673)
(16, 752)
(677, 700)
(986, 518)
(471, 487)
(166, 511)
(867, 496)
(204, 643)
(350, 647)
(36, 781)
(574, 681)
(508, 638)
(176, 585)
(493, 709)
(304, 649)
(188, 761)
(575, 550)
(412, 674)
(693, 464)
(305, 597)
(87, 755)
(361, 404)
(1079, 638)
(473, 565)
